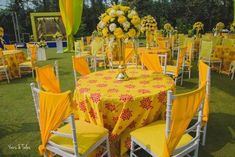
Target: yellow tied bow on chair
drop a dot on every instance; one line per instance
(47, 79)
(54, 108)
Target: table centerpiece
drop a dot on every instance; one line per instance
(118, 25)
(148, 26)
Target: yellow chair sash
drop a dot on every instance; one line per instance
(151, 61)
(46, 77)
(184, 108)
(33, 51)
(54, 108)
(80, 65)
(203, 72)
(180, 59)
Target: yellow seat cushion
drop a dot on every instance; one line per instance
(87, 135)
(28, 64)
(3, 67)
(152, 136)
(171, 69)
(212, 59)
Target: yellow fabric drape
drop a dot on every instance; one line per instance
(54, 108)
(203, 73)
(180, 59)
(46, 77)
(151, 61)
(33, 51)
(80, 65)
(71, 13)
(184, 108)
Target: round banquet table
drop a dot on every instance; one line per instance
(13, 58)
(122, 106)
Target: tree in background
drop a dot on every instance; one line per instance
(180, 13)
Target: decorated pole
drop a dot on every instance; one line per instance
(71, 13)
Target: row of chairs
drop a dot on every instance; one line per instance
(76, 138)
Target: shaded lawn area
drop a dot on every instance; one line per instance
(18, 123)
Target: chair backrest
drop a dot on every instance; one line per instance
(97, 46)
(216, 41)
(151, 62)
(205, 79)
(163, 62)
(2, 59)
(88, 40)
(52, 110)
(10, 46)
(181, 38)
(188, 40)
(162, 44)
(180, 58)
(228, 42)
(33, 49)
(181, 109)
(47, 78)
(189, 52)
(77, 46)
(80, 66)
(206, 49)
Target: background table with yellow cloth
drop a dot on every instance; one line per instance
(227, 54)
(13, 58)
(122, 106)
(156, 50)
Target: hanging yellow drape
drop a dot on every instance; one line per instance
(46, 77)
(54, 108)
(203, 73)
(151, 61)
(184, 108)
(71, 13)
(80, 65)
(129, 52)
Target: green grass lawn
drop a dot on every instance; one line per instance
(18, 123)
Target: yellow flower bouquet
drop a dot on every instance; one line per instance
(148, 23)
(219, 26)
(119, 22)
(198, 26)
(57, 35)
(168, 28)
(232, 27)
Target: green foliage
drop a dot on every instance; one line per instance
(180, 13)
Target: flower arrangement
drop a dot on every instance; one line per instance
(57, 35)
(148, 23)
(168, 28)
(219, 26)
(198, 26)
(119, 22)
(42, 43)
(232, 27)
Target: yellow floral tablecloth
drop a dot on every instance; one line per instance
(13, 58)
(122, 106)
(227, 54)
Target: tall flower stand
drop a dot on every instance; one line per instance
(41, 54)
(59, 46)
